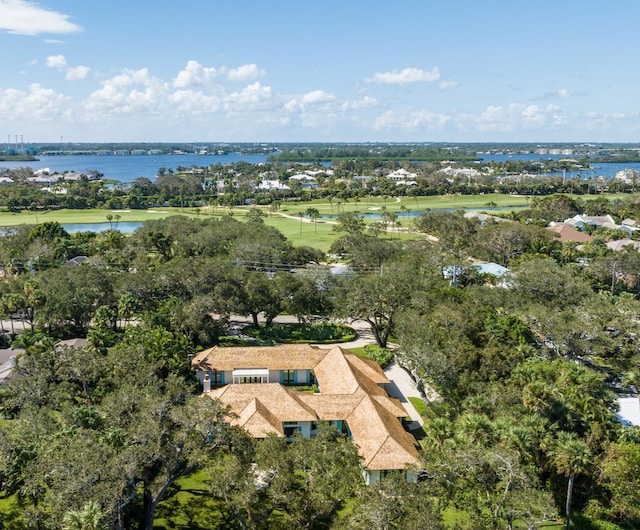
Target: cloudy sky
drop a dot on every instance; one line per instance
(304, 70)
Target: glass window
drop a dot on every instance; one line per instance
(288, 377)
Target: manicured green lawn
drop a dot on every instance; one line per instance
(420, 406)
(319, 234)
(89, 216)
(189, 506)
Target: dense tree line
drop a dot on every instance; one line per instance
(523, 430)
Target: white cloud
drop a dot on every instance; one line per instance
(246, 72)
(366, 102)
(199, 101)
(411, 121)
(39, 103)
(408, 75)
(56, 61)
(133, 91)
(561, 93)
(196, 102)
(194, 74)
(76, 73)
(251, 97)
(28, 18)
(316, 97)
(73, 73)
(446, 85)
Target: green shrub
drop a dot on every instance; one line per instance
(232, 340)
(383, 356)
(302, 332)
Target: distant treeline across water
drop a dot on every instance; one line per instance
(128, 168)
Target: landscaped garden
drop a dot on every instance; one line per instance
(320, 333)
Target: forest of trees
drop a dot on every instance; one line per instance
(525, 431)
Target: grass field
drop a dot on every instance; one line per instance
(371, 205)
(319, 234)
(87, 216)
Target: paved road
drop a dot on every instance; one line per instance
(6, 362)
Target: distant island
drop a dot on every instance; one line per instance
(17, 158)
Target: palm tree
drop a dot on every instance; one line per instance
(91, 517)
(571, 456)
(126, 307)
(301, 215)
(313, 213)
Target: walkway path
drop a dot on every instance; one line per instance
(403, 387)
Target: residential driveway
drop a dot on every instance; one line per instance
(6, 362)
(403, 387)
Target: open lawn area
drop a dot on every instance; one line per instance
(401, 206)
(287, 219)
(94, 215)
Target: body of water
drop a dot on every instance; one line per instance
(126, 227)
(608, 170)
(410, 214)
(127, 168)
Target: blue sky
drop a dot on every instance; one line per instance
(343, 71)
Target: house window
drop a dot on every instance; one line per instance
(217, 378)
(250, 375)
(252, 379)
(290, 428)
(288, 377)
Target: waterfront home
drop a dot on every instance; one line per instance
(259, 385)
(401, 175)
(268, 185)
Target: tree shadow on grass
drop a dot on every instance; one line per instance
(12, 520)
(190, 510)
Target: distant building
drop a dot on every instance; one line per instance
(401, 175)
(268, 185)
(628, 175)
(565, 232)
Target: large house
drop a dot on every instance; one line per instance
(257, 383)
